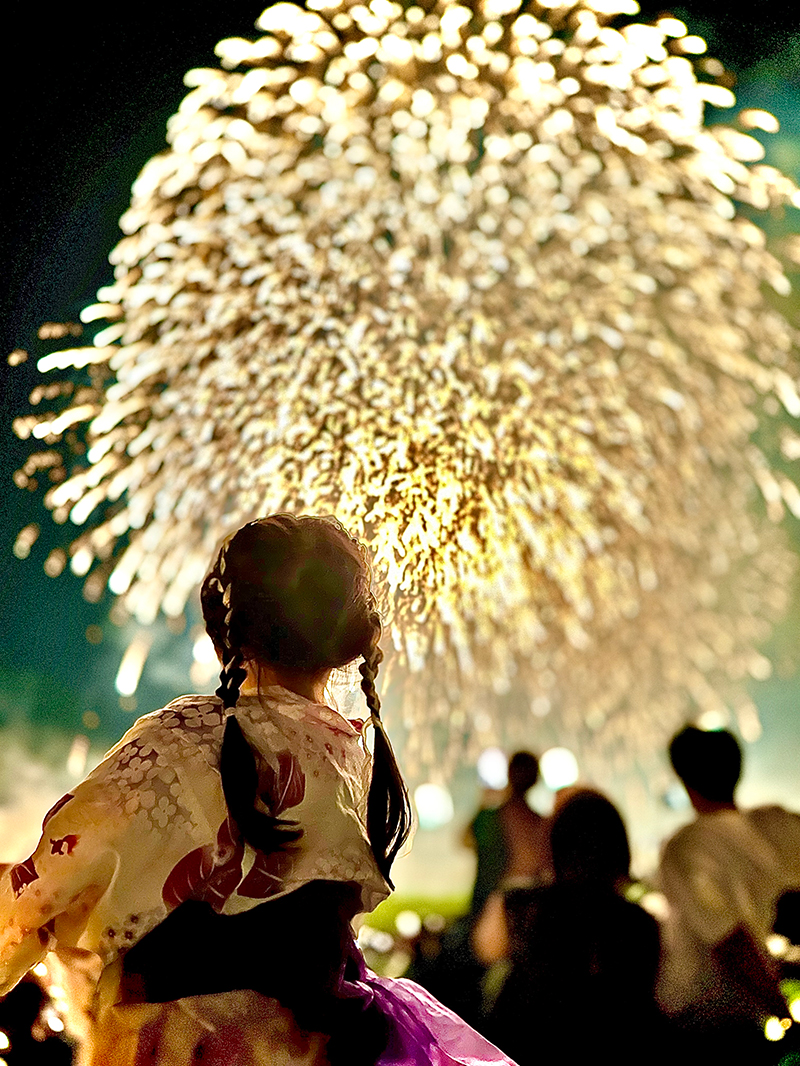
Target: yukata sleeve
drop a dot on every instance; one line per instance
(106, 849)
(50, 896)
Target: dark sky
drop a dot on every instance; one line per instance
(86, 99)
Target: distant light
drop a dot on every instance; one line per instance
(130, 669)
(493, 768)
(375, 939)
(203, 650)
(693, 45)
(672, 27)
(78, 754)
(655, 903)
(778, 945)
(559, 768)
(712, 721)
(54, 1023)
(434, 923)
(5, 1043)
(676, 798)
(408, 924)
(40, 969)
(794, 1009)
(753, 118)
(434, 806)
(774, 1029)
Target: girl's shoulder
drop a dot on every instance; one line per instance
(198, 719)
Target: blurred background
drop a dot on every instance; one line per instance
(87, 98)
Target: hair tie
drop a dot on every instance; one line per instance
(375, 722)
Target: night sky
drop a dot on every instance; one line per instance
(87, 98)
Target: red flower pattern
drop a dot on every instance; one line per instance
(212, 873)
(209, 873)
(22, 875)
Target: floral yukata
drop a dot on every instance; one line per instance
(149, 829)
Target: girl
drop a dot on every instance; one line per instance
(203, 878)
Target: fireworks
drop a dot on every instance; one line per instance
(470, 277)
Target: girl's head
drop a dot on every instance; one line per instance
(588, 841)
(294, 593)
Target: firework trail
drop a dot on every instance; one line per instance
(471, 277)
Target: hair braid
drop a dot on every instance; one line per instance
(238, 768)
(388, 805)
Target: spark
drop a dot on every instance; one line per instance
(471, 277)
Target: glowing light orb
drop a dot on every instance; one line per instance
(434, 805)
(493, 768)
(470, 276)
(559, 768)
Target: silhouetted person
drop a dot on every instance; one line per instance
(510, 841)
(583, 959)
(722, 876)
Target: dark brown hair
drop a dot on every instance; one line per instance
(295, 593)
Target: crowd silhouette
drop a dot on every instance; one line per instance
(566, 964)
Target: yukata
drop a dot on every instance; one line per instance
(149, 832)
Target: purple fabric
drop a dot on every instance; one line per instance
(423, 1032)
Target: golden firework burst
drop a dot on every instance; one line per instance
(471, 277)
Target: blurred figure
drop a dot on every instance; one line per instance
(723, 875)
(510, 841)
(583, 959)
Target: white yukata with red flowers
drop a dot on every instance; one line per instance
(149, 828)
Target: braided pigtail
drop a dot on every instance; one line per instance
(238, 768)
(388, 805)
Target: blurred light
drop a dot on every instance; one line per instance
(655, 903)
(774, 1029)
(375, 939)
(5, 1043)
(91, 719)
(540, 706)
(203, 651)
(676, 798)
(434, 923)
(94, 634)
(493, 768)
(78, 754)
(408, 924)
(40, 969)
(794, 1009)
(434, 805)
(777, 945)
(672, 27)
(693, 45)
(53, 1022)
(753, 118)
(712, 721)
(26, 538)
(559, 768)
(130, 669)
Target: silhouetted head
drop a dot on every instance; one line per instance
(707, 761)
(523, 772)
(588, 841)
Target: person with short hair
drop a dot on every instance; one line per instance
(722, 875)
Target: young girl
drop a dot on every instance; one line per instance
(205, 875)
